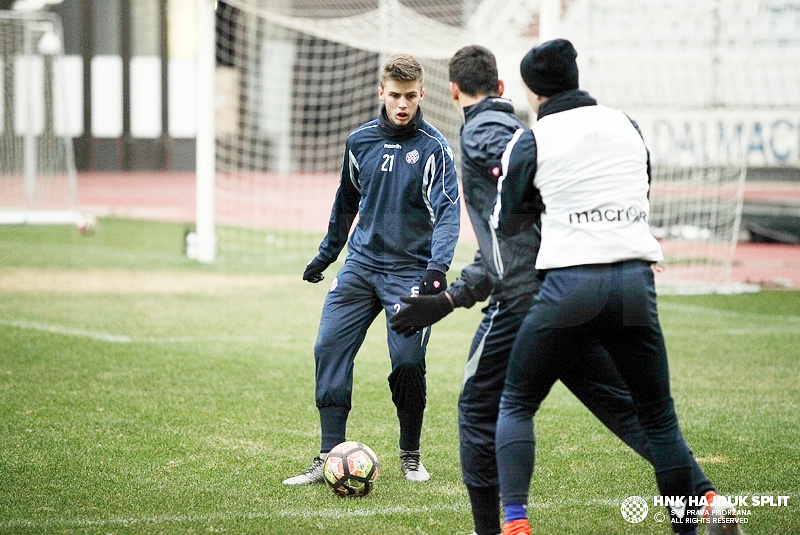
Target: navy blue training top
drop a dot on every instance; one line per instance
(402, 184)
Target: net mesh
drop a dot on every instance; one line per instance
(295, 77)
(688, 72)
(37, 172)
(295, 80)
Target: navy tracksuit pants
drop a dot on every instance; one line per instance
(576, 309)
(356, 297)
(594, 381)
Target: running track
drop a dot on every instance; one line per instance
(304, 201)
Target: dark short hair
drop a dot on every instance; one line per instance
(474, 69)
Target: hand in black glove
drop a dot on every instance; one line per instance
(314, 269)
(420, 312)
(433, 282)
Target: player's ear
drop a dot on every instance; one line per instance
(501, 87)
(454, 90)
(421, 94)
(380, 94)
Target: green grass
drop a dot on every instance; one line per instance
(143, 393)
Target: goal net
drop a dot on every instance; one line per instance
(37, 172)
(693, 74)
(294, 77)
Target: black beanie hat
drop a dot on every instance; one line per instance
(550, 68)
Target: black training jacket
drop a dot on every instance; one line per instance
(504, 266)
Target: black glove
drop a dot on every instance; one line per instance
(314, 269)
(433, 282)
(420, 312)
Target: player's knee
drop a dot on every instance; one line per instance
(657, 418)
(328, 349)
(409, 374)
(407, 383)
(518, 405)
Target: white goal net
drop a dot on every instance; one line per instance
(294, 77)
(38, 182)
(293, 80)
(699, 77)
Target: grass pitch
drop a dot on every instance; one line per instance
(143, 393)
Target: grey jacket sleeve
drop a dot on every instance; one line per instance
(472, 286)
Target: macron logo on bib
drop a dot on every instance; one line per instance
(632, 214)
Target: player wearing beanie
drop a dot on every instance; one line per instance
(503, 272)
(589, 167)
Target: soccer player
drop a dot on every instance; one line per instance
(587, 169)
(504, 273)
(398, 176)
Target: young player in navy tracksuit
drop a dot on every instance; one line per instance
(589, 169)
(504, 273)
(399, 178)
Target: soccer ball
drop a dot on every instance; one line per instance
(351, 469)
(86, 223)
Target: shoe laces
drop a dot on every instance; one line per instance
(315, 466)
(410, 460)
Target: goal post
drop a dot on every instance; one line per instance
(38, 180)
(204, 250)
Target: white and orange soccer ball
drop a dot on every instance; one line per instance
(351, 469)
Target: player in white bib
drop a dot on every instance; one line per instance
(585, 170)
